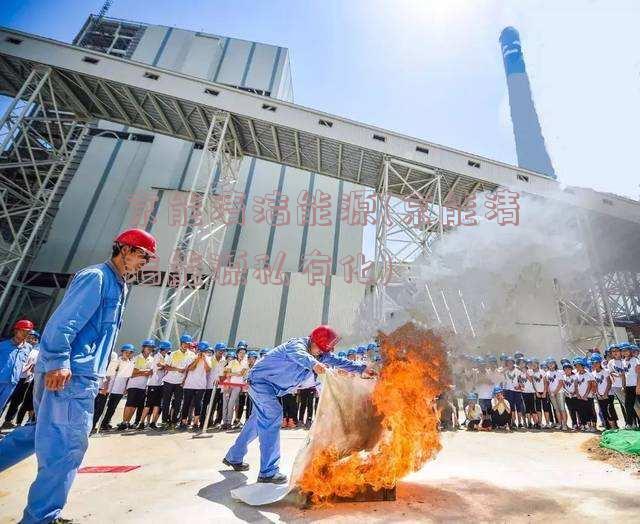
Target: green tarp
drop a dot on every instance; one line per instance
(622, 440)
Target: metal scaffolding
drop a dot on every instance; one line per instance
(194, 264)
(399, 241)
(40, 149)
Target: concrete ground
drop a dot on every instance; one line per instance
(477, 477)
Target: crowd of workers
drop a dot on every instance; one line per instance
(173, 389)
(515, 392)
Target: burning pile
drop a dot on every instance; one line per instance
(394, 429)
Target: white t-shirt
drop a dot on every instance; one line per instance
(141, 363)
(538, 380)
(158, 374)
(27, 369)
(527, 386)
(217, 367)
(473, 414)
(179, 360)
(235, 366)
(601, 380)
(124, 369)
(616, 370)
(501, 407)
(197, 378)
(583, 379)
(568, 384)
(630, 371)
(553, 377)
(511, 379)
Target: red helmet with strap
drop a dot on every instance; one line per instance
(138, 238)
(325, 337)
(24, 324)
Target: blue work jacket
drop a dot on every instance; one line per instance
(82, 331)
(12, 360)
(288, 365)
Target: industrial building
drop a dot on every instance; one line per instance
(168, 114)
(122, 164)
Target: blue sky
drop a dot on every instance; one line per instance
(432, 68)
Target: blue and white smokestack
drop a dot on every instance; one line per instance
(530, 147)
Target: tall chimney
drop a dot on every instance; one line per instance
(530, 147)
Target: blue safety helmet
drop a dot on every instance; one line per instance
(203, 345)
(35, 333)
(580, 360)
(149, 342)
(242, 344)
(566, 364)
(186, 339)
(252, 354)
(371, 346)
(497, 390)
(263, 351)
(231, 353)
(127, 347)
(510, 359)
(492, 359)
(220, 346)
(517, 355)
(351, 352)
(503, 357)
(361, 350)
(596, 357)
(342, 354)
(164, 344)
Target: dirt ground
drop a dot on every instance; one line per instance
(478, 477)
(620, 460)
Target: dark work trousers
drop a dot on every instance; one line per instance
(584, 408)
(98, 407)
(16, 399)
(171, 401)
(629, 401)
(305, 401)
(572, 409)
(112, 404)
(242, 401)
(608, 411)
(249, 406)
(216, 408)
(27, 404)
(192, 398)
(290, 407)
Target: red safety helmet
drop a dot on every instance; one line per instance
(325, 337)
(138, 238)
(24, 324)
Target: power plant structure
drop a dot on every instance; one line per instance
(530, 147)
(259, 205)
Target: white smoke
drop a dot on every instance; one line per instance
(485, 285)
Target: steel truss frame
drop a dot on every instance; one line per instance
(40, 147)
(397, 242)
(194, 265)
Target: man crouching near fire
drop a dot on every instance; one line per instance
(279, 372)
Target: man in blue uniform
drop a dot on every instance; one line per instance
(279, 372)
(75, 350)
(13, 355)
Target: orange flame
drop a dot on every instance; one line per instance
(414, 373)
